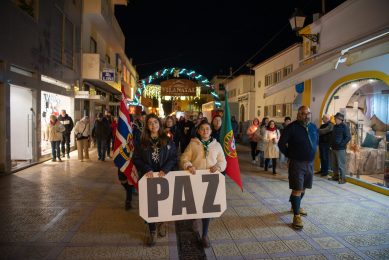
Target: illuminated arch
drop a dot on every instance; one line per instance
(176, 72)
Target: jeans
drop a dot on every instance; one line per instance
(101, 148)
(268, 165)
(339, 163)
(261, 155)
(324, 150)
(65, 141)
(55, 151)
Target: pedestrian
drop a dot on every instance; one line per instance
(155, 153)
(107, 115)
(128, 187)
(172, 131)
(204, 152)
(235, 127)
(216, 126)
(54, 134)
(325, 132)
(283, 159)
(260, 133)
(253, 138)
(67, 122)
(299, 143)
(185, 134)
(339, 139)
(81, 131)
(101, 133)
(271, 138)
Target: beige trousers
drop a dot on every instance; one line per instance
(83, 149)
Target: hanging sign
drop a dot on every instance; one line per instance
(300, 88)
(180, 195)
(108, 75)
(178, 87)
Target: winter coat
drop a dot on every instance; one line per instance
(167, 159)
(259, 135)
(101, 130)
(299, 142)
(251, 132)
(340, 137)
(194, 155)
(82, 127)
(270, 147)
(54, 132)
(325, 132)
(67, 121)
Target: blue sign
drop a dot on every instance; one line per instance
(300, 88)
(108, 75)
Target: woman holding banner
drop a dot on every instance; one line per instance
(155, 153)
(202, 153)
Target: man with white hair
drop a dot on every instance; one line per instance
(325, 132)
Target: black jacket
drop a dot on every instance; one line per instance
(67, 121)
(101, 129)
(167, 161)
(340, 137)
(325, 132)
(298, 142)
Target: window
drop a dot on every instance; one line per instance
(92, 45)
(288, 110)
(287, 70)
(278, 111)
(68, 43)
(266, 112)
(56, 35)
(268, 79)
(274, 110)
(277, 76)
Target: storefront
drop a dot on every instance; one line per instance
(52, 104)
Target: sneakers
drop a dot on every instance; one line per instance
(297, 222)
(302, 212)
(205, 242)
(161, 227)
(152, 239)
(127, 205)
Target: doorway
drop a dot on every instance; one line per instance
(22, 126)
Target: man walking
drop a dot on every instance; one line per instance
(325, 132)
(298, 142)
(339, 139)
(100, 134)
(67, 122)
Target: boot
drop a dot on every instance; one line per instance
(297, 222)
(205, 242)
(161, 227)
(152, 238)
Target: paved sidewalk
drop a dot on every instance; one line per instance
(74, 210)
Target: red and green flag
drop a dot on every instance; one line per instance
(227, 141)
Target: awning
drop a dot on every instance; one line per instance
(103, 86)
(327, 62)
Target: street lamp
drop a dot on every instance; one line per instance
(297, 22)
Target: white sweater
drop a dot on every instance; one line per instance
(194, 155)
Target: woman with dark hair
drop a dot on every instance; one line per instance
(216, 126)
(271, 138)
(172, 130)
(155, 153)
(253, 137)
(203, 153)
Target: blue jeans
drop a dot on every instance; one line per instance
(339, 163)
(101, 148)
(55, 150)
(324, 150)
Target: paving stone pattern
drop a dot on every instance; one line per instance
(74, 210)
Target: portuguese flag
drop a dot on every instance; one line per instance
(228, 144)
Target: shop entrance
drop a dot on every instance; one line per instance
(365, 104)
(22, 127)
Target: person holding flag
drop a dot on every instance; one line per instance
(123, 151)
(227, 141)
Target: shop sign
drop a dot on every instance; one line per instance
(82, 95)
(108, 75)
(180, 195)
(134, 110)
(178, 87)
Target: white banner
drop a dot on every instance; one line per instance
(180, 195)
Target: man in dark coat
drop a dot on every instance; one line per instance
(100, 133)
(67, 121)
(339, 140)
(325, 132)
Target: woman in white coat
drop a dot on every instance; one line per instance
(271, 138)
(81, 130)
(54, 135)
(203, 153)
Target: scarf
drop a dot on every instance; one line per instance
(205, 145)
(272, 129)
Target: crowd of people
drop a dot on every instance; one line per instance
(193, 144)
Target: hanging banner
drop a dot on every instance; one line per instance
(178, 87)
(180, 195)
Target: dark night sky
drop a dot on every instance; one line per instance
(208, 36)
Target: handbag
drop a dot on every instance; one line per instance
(80, 136)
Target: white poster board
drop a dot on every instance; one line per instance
(180, 195)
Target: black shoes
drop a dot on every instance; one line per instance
(205, 242)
